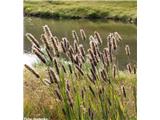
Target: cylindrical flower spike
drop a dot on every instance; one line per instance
(81, 49)
(129, 68)
(56, 66)
(117, 35)
(47, 31)
(32, 39)
(114, 71)
(83, 34)
(40, 56)
(127, 49)
(32, 71)
(98, 37)
(75, 36)
(134, 69)
(58, 94)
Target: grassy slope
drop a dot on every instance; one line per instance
(121, 10)
(38, 102)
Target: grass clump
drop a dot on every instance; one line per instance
(77, 83)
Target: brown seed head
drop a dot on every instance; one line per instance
(75, 36)
(127, 49)
(58, 94)
(117, 35)
(47, 31)
(124, 92)
(129, 68)
(45, 41)
(56, 66)
(134, 69)
(40, 56)
(80, 70)
(32, 39)
(81, 50)
(63, 68)
(54, 76)
(83, 35)
(114, 70)
(98, 37)
(92, 91)
(32, 71)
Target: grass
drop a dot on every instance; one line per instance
(71, 84)
(38, 103)
(116, 10)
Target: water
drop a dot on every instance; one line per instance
(63, 28)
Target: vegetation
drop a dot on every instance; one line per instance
(76, 83)
(116, 10)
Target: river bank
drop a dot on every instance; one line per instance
(124, 11)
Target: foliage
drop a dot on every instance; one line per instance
(117, 10)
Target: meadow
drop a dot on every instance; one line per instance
(71, 82)
(116, 10)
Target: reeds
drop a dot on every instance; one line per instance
(83, 80)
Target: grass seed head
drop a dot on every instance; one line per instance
(75, 36)
(92, 91)
(89, 77)
(32, 39)
(81, 50)
(127, 49)
(80, 70)
(47, 31)
(63, 47)
(38, 49)
(129, 68)
(50, 76)
(54, 76)
(76, 46)
(83, 34)
(49, 55)
(40, 56)
(68, 85)
(70, 68)
(58, 94)
(47, 82)
(114, 71)
(70, 100)
(98, 37)
(117, 35)
(32, 71)
(64, 69)
(124, 92)
(134, 69)
(114, 42)
(54, 43)
(45, 41)
(56, 66)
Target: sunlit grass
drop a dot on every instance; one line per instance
(118, 10)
